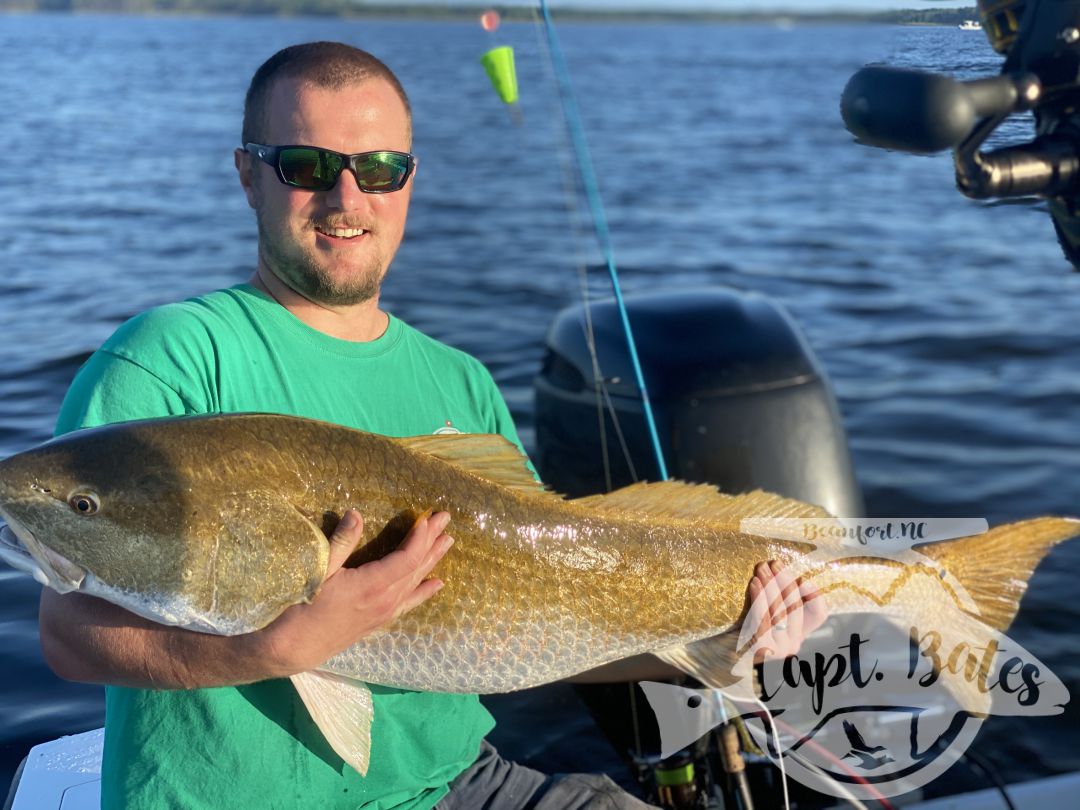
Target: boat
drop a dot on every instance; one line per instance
(970, 25)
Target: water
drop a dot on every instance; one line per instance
(948, 326)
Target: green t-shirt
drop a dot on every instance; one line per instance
(255, 746)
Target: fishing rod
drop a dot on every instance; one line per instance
(921, 112)
(572, 116)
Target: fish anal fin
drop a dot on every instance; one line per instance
(685, 501)
(995, 567)
(342, 708)
(712, 661)
(490, 456)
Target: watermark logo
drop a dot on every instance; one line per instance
(890, 691)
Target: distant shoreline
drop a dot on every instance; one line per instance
(354, 10)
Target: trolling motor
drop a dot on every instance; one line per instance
(921, 112)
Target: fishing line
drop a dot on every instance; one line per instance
(839, 787)
(985, 768)
(576, 217)
(592, 193)
(776, 737)
(877, 796)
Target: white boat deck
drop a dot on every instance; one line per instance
(64, 774)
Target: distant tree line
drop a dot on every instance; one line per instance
(351, 8)
(930, 16)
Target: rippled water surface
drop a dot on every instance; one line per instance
(949, 327)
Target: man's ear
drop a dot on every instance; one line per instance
(245, 168)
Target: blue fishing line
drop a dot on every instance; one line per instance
(596, 206)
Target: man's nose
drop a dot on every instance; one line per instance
(346, 194)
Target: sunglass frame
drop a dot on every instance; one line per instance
(271, 155)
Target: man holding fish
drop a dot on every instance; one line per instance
(197, 720)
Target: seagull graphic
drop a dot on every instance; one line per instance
(870, 757)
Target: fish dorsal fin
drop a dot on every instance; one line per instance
(490, 456)
(678, 499)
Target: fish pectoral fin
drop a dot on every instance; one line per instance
(262, 520)
(699, 502)
(342, 708)
(492, 457)
(712, 660)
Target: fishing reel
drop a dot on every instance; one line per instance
(920, 112)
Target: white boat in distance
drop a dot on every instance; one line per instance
(970, 25)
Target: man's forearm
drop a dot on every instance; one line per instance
(89, 640)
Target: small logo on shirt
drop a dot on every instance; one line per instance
(446, 430)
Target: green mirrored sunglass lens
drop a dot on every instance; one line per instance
(309, 168)
(382, 170)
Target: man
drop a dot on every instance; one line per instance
(200, 721)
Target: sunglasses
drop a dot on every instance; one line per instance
(315, 169)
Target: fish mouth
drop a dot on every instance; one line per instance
(22, 551)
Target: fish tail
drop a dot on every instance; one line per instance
(995, 567)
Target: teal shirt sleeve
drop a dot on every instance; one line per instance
(152, 366)
(110, 388)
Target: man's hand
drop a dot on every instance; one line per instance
(782, 610)
(354, 602)
(90, 640)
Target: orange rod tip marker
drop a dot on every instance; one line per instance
(490, 20)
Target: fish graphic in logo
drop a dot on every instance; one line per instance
(891, 690)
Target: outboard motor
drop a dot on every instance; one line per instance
(739, 397)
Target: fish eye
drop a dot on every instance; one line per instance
(85, 503)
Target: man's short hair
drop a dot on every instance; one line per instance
(331, 65)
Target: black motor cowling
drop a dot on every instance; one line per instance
(739, 398)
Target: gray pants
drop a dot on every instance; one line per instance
(492, 783)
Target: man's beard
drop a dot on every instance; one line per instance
(307, 277)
